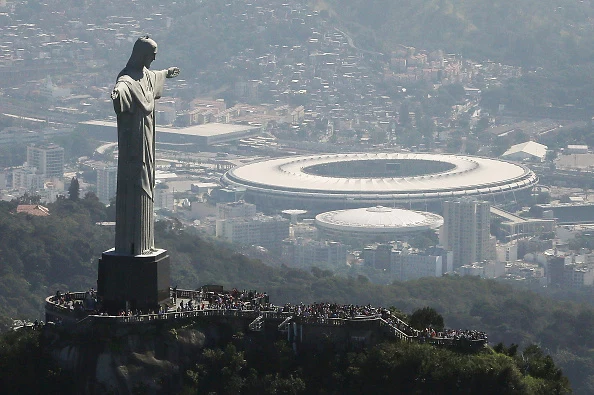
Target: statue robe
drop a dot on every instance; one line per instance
(134, 105)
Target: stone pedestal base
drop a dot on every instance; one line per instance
(136, 282)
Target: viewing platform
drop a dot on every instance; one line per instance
(351, 326)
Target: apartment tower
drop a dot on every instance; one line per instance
(47, 159)
(466, 230)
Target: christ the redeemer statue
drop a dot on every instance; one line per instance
(133, 97)
(135, 275)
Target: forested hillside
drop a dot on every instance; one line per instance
(240, 364)
(39, 255)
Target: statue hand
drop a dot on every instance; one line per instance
(172, 72)
(115, 94)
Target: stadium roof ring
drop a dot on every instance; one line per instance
(363, 179)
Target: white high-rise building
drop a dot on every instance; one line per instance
(411, 266)
(401, 262)
(47, 159)
(27, 178)
(308, 252)
(466, 230)
(235, 210)
(107, 183)
(164, 198)
(507, 252)
(263, 230)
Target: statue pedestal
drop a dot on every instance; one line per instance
(133, 281)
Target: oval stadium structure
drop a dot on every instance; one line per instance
(338, 181)
(376, 223)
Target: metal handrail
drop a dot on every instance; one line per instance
(258, 315)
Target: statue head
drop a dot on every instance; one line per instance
(143, 53)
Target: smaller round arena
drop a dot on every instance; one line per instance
(365, 225)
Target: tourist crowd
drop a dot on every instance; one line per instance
(236, 300)
(455, 334)
(323, 311)
(252, 300)
(69, 300)
(331, 310)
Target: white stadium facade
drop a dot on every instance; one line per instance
(413, 180)
(378, 223)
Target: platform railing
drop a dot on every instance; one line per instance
(257, 316)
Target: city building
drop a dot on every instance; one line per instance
(528, 151)
(47, 159)
(466, 230)
(204, 187)
(262, 230)
(202, 136)
(305, 230)
(164, 198)
(520, 270)
(402, 263)
(228, 195)
(27, 178)
(378, 256)
(235, 210)
(566, 213)
(447, 257)
(485, 269)
(555, 267)
(514, 227)
(576, 149)
(577, 275)
(568, 270)
(507, 252)
(307, 253)
(51, 191)
(411, 266)
(106, 183)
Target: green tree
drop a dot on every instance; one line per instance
(551, 155)
(426, 317)
(481, 126)
(424, 239)
(74, 189)
(26, 369)
(221, 371)
(535, 363)
(28, 198)
(456, 91)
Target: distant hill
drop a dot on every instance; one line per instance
(529, 32)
